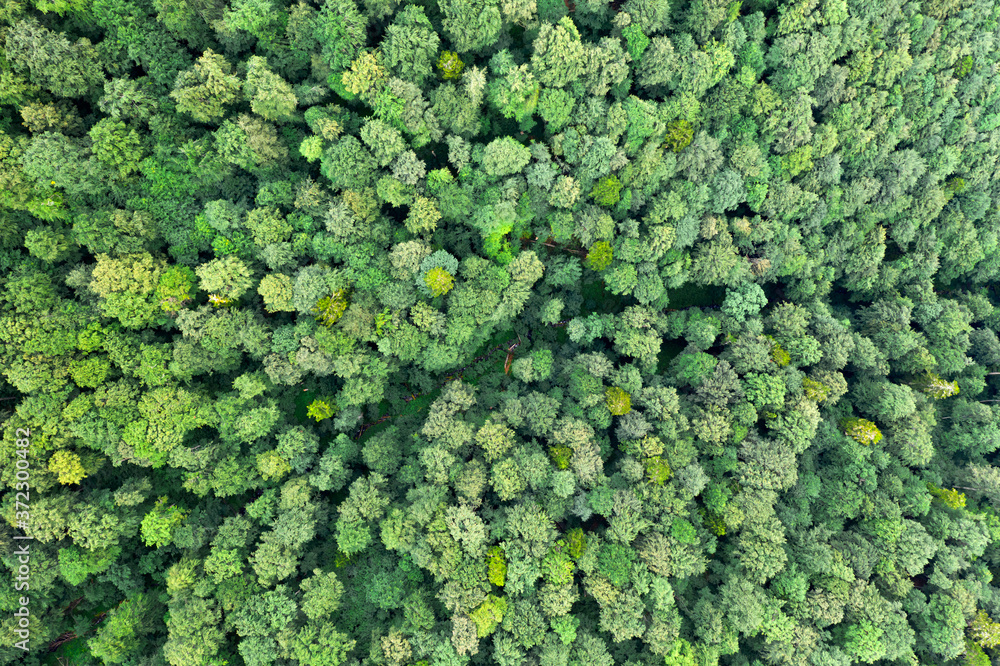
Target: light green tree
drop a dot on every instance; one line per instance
(505, 156)
(207, 89)
(410, 45)
(471, 24)
(559, 56)
(67, 467)
(160, 523)
(228, 277)
(277, 291)
(117, 146)
(861, 430)
(935, 387)
(270, 95)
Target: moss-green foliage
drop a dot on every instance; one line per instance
(814, 390)
(764, 390)
(77, 564)
(861, 430)
(715, 523)
(733, 10)
(576, 543)
(558, 567)
(561, 456)
(450, 65)
(681, 654)
(778, 353)
(955, 185)
(439, 281)
(953, 499)
(694, 368)
(176, 288)
(496, 566)
(658, 470)
(984, 631)
(606, 191)
(679, 135)
(637, 41)
(683, 531)
(936, 387)
(320, 409)
(618, 401)
(599, 255)
(67, 467)
(272, 465)
(488, 615)
(615, 562)
(975, 655)
(963, 67)
(331, 308)
(159, 524)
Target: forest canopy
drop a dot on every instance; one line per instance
(514, 332)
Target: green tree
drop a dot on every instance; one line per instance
(58, 117)
(515, 93)
(863, 641)
(228, 277)
(122, 635)
(555, 106)
(322, 594)
(942, 622)
(618, 401)
(348, 164)
(558, 56)
(861, 430)
(505, 156)
(127, 285)
(48, 245)
(194, 636)
(277, 292)
(117, 146)
(341, 33)
(207, 89)
(250, 143)
(606, 191)
(67, 467)
(57, 160)
(743, 302)
(471, 25)
(410, 45)
(66, 69)
(159, 525)
(270, 96)
(637, 41)
(450, 65)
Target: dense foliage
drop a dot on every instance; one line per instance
(502, 331)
